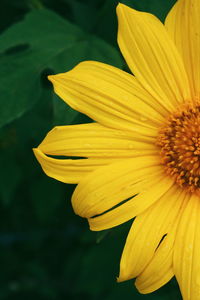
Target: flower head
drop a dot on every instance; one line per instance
(144, 146)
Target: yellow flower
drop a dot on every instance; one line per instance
(143, 151)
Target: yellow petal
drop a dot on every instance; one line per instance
(159, 271)
(68, 170)
(149, 189)
(110, 96)
(96, 141)
(147, 231)
(186, 260)
(183, 24)
(110, 185)
(152, 56)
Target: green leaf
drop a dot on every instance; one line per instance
(42, 43)
(63, 114)
(83, 14)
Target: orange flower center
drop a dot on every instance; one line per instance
(179, 141)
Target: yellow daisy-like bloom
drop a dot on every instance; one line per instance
(144, 146)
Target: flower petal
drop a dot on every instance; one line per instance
(110, 96)
(159, 271)
(186, 251)
(152, 56)
(96, 141)
(183, 24)
(147, 231)
(110, 185)
(150, 188)
(68, 170)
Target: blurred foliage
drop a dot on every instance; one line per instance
(46, 251)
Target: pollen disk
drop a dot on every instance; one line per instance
(179, 141)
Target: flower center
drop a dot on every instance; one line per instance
(179, 141)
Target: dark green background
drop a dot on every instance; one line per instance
(46, 251)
